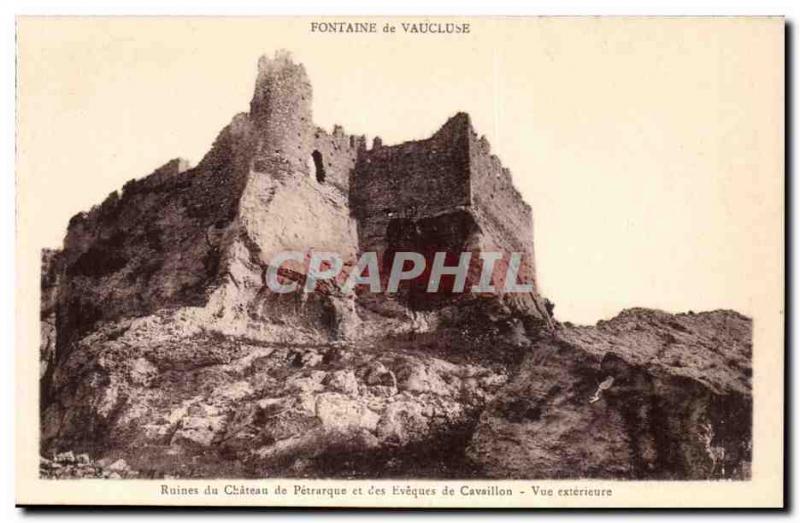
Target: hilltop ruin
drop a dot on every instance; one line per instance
(162, 346)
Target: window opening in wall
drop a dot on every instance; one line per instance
(319, 166)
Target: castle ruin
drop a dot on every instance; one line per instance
(273, 181)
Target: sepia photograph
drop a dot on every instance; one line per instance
(442, 262)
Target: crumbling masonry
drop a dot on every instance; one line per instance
(273, 181)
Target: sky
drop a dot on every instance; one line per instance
(651, 151)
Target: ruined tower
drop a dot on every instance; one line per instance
(447, 193)
(281, 112)
(297, 188)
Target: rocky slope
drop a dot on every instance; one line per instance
(646, 395)
(172, 397)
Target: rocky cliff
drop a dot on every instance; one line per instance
(164, 352)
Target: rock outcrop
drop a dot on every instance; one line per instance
(646, 395)
(162, 345)
(172, 397)
(50, 284)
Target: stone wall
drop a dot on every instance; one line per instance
(410, 181)
(155, 245)
(447, 193)
(504, 217)
(338, 153)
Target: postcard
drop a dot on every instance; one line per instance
(446, 262)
